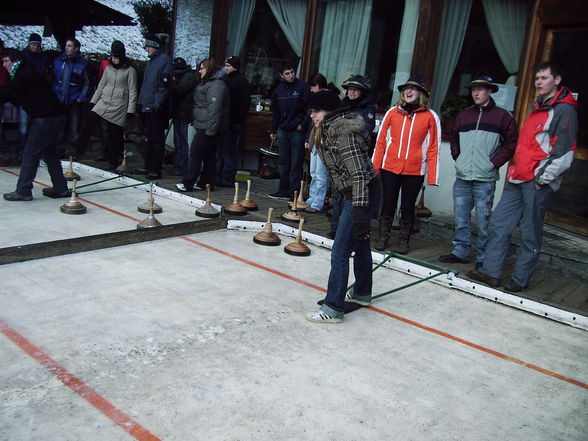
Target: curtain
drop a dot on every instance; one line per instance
(291, 16)
(406, 45)
(453, 28)
(507, 20)
(239, 21)
(345, 38)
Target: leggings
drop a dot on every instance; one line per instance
(392, 185)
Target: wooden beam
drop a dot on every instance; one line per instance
(219, 30)
(308, 40)
(427, 39)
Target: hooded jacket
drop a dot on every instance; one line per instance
(547, 141)
(483, 140)
(156, 85)
(344, 150)
(212, 106)
(72, 82)
(116, 94)
(408, 144)
(365, 108)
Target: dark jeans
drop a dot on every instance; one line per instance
(181, 145)
(44, 135)
(291, 160)
(72, 128)
(344, 244)
(394, 184)
(227, 156)
(115, 136)
(155, 126)
(202, 152)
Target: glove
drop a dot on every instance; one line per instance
(361, 223)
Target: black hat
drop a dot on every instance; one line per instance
(416, 81)
(357, 82)
(117, 49)
(234, 61)
(179, 64)
(483, 79)
(152, 41)
(323, 100)
(35, 39)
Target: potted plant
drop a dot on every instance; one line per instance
(452, 105)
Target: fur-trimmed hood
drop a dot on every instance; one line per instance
(343, 121)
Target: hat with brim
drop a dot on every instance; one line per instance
(482, 79)
(415, 81)
(323, 100)
(356, 82)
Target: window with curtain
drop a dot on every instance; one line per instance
(493, 36)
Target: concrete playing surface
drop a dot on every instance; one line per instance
(203, 337)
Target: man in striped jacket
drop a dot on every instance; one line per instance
(545, 150)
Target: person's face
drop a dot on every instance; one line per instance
(229, 68)
(115, 60)
(315, 88)
(481, 95)
(150, 50)
(354, 93)
(7, 63)
(411, 94)
(70, 48)
(546, 84)
(288, 75)
(202, 70)
(317, 116)
(35, 47)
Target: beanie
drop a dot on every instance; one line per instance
(234, 61)
(35, 39)
(152, 42)
(179, 64)
(117, 49)
(323, 100)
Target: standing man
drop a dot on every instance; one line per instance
(545, 150)
(289, 102)
(228, 154)
(153, 98)
(47, 119)
(73, 88)
(483, 140)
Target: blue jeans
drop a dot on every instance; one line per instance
(227, 156)
(319, 182)
(522, 205)
(466, 196)
(72, 128)
(344, 244)
(44, 135)
(291, 149)
(181, 144)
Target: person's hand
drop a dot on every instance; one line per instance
(538, 187)
(300, 128)
(361, 223)
(273, 136)
(307, 145)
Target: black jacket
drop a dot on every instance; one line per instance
(184, 83)
(29, 89)
(240, 96)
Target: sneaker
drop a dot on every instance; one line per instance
(350, 299)
(199, 188)
(52, 193)
(319, 316)
(279, 196)
(16, 196)
(180, 186)
(270, 151)
(451, 258)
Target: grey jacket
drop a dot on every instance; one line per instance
(156, 83)
(212, 106)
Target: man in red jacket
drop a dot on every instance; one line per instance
(545, 150)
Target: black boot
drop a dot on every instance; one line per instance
(385, 225)
(404, 237)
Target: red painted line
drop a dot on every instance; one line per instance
(117, 416)
(402, 319)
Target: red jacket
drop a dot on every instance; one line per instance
(547, 141)
(409, 144)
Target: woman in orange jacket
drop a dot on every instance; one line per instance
(407, 148)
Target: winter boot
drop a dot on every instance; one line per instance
(384, 232)
(404, 237)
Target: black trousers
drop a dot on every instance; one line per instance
(407, 186)
(115, 138)
(155, 124)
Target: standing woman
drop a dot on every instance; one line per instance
(407, 148)
(211, 116)
(342, 144)
(114, 99)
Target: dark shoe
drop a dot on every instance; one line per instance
(153, 175)
(481, 277)
(384, 226)
(52, 193)
(101, 158)
(15, 196)
(451, 258)
(311, 210)
(279, 196)
(404, 238)
(140, 171)
(479, 265)
(331, 235)
(513, 286)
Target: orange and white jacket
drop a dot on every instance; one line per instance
(409, 144)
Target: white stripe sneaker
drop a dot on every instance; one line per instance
(350, 299)
(319, 316)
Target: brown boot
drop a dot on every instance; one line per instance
(404, 237)
(383, 232)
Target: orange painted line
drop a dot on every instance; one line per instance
(402, 319)
(117, 416)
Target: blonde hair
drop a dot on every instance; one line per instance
(423, 100)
